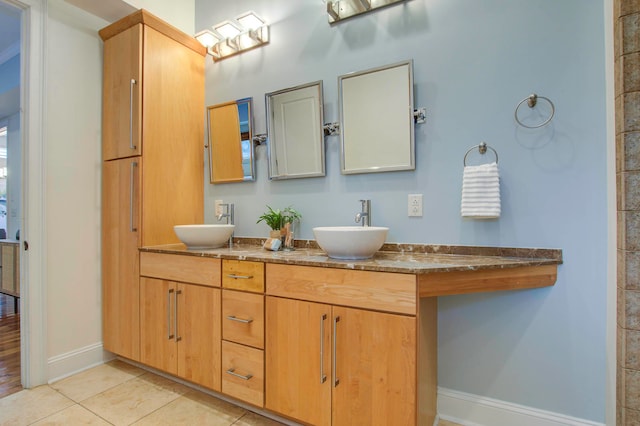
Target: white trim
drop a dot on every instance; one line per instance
(473, 410)
(70, 363)
(9, 52)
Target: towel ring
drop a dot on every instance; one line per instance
(532, 101)
(482, 148)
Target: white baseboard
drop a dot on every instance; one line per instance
(473, 410)
(67, 364)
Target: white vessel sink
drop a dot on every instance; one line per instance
(204, 236)
(350, 242)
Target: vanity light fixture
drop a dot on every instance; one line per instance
(231, 37)
(339, 10)
(207, 38)
(227, 29)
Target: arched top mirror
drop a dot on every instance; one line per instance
(296, 137)
(376, 119)
(231, 154)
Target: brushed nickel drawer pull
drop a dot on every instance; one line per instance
(132, 177)
(175, 319)
(232, 371)
(323, 377)
(169, 335)
(240, 277)
(336, 381)
(244, 321)
(132, 83)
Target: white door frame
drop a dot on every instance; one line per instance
(33, 300)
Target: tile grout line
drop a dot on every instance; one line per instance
(55, 412)
(92, 412)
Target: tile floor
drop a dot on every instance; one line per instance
(117, 393)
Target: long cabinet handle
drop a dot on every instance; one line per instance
(232, 371)
(169, 335)
(175, 318)
(336, 381)
(132, 83)
(132, 176)
(242, 320)
(240, 277)
(323, 377)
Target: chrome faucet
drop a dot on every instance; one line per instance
(229, 214)
(365, 215)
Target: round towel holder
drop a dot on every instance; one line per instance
(532, 101)
(482, 148)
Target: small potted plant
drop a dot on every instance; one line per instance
(282, 223)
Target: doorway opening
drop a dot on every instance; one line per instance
(10, 196)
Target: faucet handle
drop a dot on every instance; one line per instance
(365, 214)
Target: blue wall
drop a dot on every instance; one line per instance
(10, 74)
(473, 62)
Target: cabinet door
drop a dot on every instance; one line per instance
(121, 91)
(298, 360)
(199, 334)
(173, 133)
(120, 240)
(158, 336)
(375, 368)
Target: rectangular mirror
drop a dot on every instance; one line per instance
(231, 155)
(296, 136)
(376, 119)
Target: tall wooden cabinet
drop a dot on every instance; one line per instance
(153, 134)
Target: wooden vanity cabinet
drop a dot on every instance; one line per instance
(153, 131)
(331, 364)
(320, 345)
(243, 330)
(180, 329)
(298, 360)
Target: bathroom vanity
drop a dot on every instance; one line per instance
(309, 338)
(313, 339)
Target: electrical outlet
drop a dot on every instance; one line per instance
(217, 207)
(415, 205)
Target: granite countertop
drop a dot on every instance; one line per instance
(400, 258)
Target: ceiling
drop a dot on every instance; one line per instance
(9, 29)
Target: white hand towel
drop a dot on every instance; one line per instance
(481, 192)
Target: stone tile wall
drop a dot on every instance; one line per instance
(627, 103)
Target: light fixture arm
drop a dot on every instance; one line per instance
(366, 4)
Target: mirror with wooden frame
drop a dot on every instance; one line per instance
(231, 154)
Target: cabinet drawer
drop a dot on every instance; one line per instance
(175, 267)
(243, 275)
(243, 318)
(243, 373)
(383, 291)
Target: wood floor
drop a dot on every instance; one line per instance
(9, 347)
